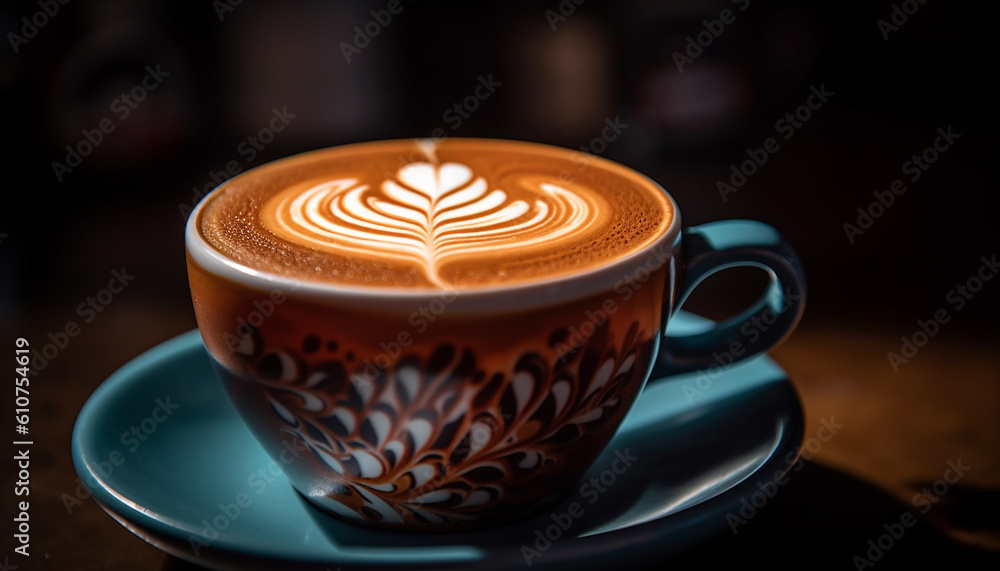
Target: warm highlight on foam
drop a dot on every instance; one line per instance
(461, 214)
(430, 214)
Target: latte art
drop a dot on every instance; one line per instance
(463, 214)
(428, 214)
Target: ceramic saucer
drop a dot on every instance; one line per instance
(164, 452)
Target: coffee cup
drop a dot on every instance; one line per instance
(444, 335)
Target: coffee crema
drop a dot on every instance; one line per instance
(458, 214)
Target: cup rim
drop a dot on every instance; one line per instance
(523, 295)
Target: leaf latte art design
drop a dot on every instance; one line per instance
(430, 213)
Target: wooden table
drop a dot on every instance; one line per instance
(895, 434)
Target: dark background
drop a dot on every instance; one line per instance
(230, 68)
(606, 60)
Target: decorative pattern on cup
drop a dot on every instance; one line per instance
(434, 440)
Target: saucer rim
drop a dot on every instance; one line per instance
(164, 536)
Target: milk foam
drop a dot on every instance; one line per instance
(458, 214)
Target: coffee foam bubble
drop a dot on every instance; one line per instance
(462, 214)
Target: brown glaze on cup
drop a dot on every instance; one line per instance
(422, 418)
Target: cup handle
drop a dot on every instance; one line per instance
(715, 246)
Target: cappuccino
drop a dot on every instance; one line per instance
(461, 214)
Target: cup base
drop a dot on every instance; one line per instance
(323, 506)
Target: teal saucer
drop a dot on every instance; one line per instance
(163, 451)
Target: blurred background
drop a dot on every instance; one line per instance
(119, 115)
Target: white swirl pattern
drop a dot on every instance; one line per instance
(429, 213)
(435, 438)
